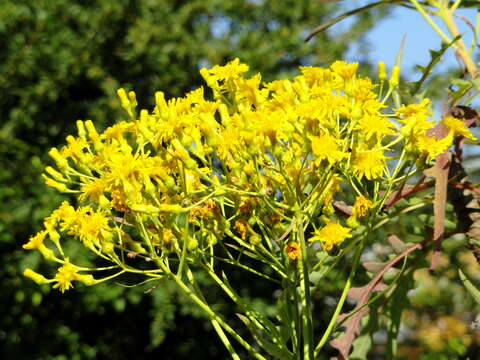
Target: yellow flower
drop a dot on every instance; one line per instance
(93, 190)
(36, 243)
(65, 275)
(75, 147)
(344, 70)
(90, 226)
(313, 75)
(68, 273)
(118, 130)
(331, 235)
(369, 163)
(59, 159)
(226, 73)
(375, 125)
(432, 145)
(361, 207)
(293, 252)
(414, 109)
(326, 147)
(458, 127)
(242, 228)
(414, 117)
(395, 78)
(86, 279)
(167, 237)
(362, 92)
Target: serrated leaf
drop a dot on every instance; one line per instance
(397, 245)
(435, 57)
(461, 82)
(440, 172)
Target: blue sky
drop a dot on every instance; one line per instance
(386, 37)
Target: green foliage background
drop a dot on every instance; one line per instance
(63, 60)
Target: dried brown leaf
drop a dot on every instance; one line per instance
(361, 294)
(440, 172)
(397, 245)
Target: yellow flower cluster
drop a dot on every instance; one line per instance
(331, 235)
(194, 170)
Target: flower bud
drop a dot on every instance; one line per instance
(224, 115)
(192, 243)
(54, 173)
(382, 73)
(160, 103)
(81, 130)
(133, 100)
(61, 162)
(93, 135)
(47, 253)
(38, 278)
(56, 185)
(86, 279)
(293, 251)
(395, 78)
(122, 94)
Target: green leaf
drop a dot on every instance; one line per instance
(435, 57)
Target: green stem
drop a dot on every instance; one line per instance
(240, 265)
(305, 297)
(447, 17)
(343, 297)
(215, 324)
(434, 26)
(291, 308)
(210, 312)
(252, 315)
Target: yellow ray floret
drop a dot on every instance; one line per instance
(331, 235)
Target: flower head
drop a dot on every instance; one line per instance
(361, 207)
(369, 163)
(431, 145)
(293, 252)
(331, 235)
(374, 126)
(326, 147)
(458, 127)
(65, 275)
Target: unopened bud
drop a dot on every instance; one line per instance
(81, 130)
(38, 278)
(395, 78)
(382, 73)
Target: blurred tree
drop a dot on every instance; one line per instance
(63, 60)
